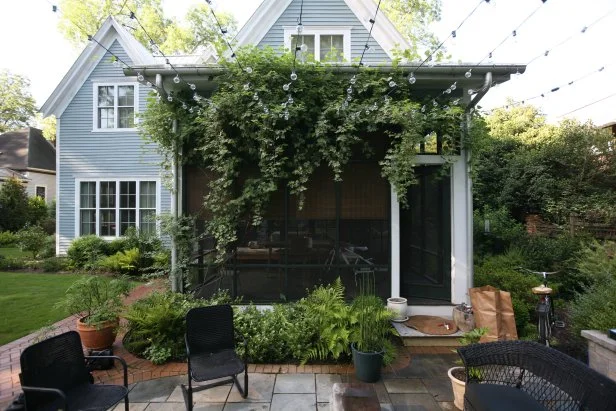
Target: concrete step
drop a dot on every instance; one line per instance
(413, 338)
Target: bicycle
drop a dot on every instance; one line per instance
(546, 319)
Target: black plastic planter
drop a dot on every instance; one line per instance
(367, 364)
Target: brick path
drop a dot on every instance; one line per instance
(142, 370)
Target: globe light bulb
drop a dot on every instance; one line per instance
(468, 74)
(412, 78)
(255, 97)
(148, 84)
(345, 104)
(293, 76)
(299, 28)
(434, 103)
(286, 87)
(246, 86)
(350, 90)
(248, 70)
(196, 97)
(193, 87)
(471, 91)
(353, 80)
(266, 110)
(286, 115)
(303, 48)
(454, 86)
(349, 98)
(290, 99)
(176, 79)
(169, 98)
(260, 103)
(184, 106)
(456, 102)
(191, 110)
(448, 90)
(140, 77)
(392, 84)
(367, 111)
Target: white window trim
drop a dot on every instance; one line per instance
(95, 86)
(317, 31)
(117, 180)
(42, 186)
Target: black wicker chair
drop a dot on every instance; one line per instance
(54, 376)
(210, 348)
(525, 375)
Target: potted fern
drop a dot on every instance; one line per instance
(457, 375)
(370, 338)
(97, 302)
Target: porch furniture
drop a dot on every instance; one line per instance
(524, 375)
(54, 376)
(210, 348)
(354, 397)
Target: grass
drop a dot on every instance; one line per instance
(27, 302)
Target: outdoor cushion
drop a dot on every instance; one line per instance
(209, 366)
(486, 397)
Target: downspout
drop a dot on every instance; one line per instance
(469, 183)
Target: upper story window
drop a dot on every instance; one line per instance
(326, 44)
(115, 106)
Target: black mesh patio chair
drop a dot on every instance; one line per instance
(210, 348)
(54, 377)
(524, 375)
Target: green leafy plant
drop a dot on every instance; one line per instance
(125, 262)
(328, 318)
(7, 238)
(85, 251)
(470, 337)
(96, 298)
(55, 264)
(32, 239)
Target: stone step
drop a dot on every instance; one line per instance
(413, 338)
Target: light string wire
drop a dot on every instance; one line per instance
(513, 33)
(566, 40)
(287, 86)
(588, 105)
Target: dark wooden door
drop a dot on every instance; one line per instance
(425, 239)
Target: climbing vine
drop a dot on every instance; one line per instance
(256, 136)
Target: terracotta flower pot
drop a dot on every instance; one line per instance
(99, 336)
(459, 387)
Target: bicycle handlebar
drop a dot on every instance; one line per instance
(541, 273)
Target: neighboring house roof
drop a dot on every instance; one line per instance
(89, 58)
(6, 173)
(26, 149)
(270, 11)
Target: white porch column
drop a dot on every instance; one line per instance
(461, 231)
(395, 244)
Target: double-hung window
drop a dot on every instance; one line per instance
(326, 44)
(115, 106)
(108, 207)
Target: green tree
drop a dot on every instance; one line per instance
(48, 126)
(17, 107)
(80, 18)
(413, 18)
(13, 205)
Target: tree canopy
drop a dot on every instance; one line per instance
(80, 18)
(17, 107)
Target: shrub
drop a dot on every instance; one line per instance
(117, 245)
(13, 205)
(32, 239)
(37, 210)
(55, 264)
(125, 262)
(148, 245)
(504, 231)
(549, 253)
(85, 251)
(50, 246)
(499, 271)
(7, 238)
(595, 309)
(9, 263)
(156, 324)
(597, 262)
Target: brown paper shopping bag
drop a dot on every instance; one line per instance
(493, 309)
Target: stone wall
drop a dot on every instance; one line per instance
(601, 352)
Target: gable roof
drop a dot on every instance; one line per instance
(89, 58)
(268, 13)
(26, 149)
(6, 173)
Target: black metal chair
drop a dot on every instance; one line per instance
(210, 348)
(54, 377)
(524, 375)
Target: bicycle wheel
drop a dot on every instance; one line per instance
(543, 323)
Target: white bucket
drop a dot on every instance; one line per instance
(398, 305)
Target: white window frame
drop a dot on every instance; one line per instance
(115, 84)
(317, 31)
(44, 187)
(117, 180)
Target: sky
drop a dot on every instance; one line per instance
(38, 51)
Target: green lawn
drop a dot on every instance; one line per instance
(14, 252)
(27, 302)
